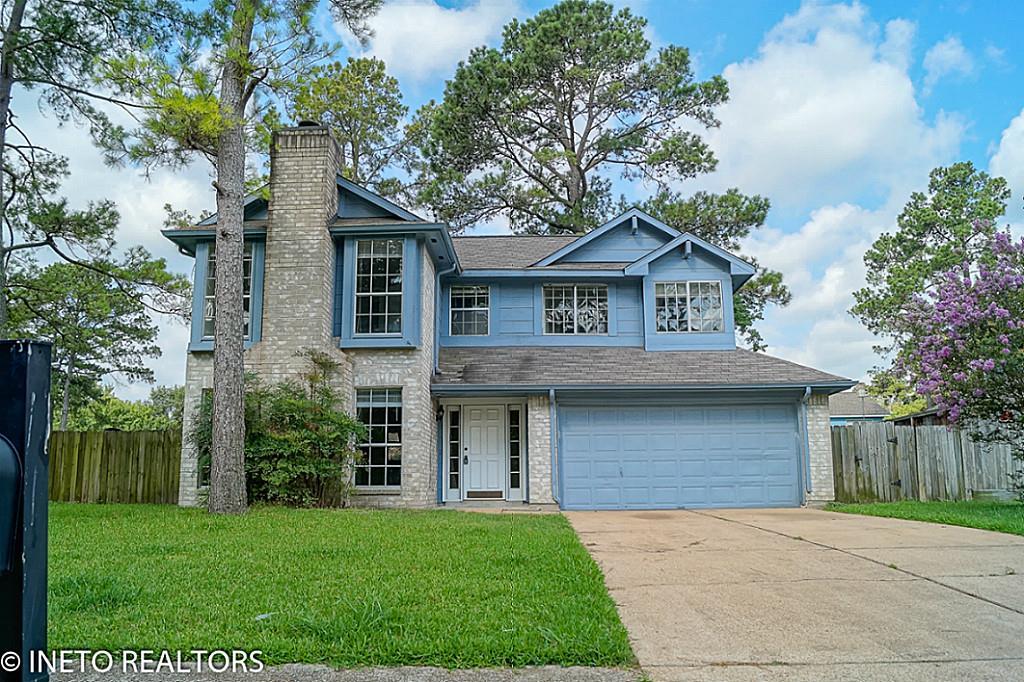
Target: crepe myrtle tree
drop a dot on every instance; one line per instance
(967, 353)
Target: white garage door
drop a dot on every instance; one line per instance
(669, 456)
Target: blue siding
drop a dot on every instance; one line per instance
(700, 265)
(516, 316)
(351, 206)
(618, 245)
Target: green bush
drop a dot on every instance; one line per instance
(299, 444)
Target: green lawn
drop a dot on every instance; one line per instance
(343, 587)
(1005, 517)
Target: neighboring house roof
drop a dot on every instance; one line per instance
(507, 252)
(849, 404)
(623, 366)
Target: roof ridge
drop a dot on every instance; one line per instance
(518, 236)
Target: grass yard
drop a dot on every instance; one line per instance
(342, 587)
(1005, 517)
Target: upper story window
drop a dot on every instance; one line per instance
(575, 309)
(378, 286)
(688, 306)
(470, 310)
(209, 298)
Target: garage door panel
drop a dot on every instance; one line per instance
(635, 442)
(667, 456)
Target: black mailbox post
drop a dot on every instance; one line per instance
(24, 476)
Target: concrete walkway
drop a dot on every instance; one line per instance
(810, 595)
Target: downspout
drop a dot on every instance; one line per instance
(554, 446)
(808, 486)
(437, 311)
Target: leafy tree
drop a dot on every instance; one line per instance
(533, 130)
(215, 97)
(298, 438)
(362, 104)
(110, 412)
(966, 339)
(725, 220)
(895, 393)
(936, 230)
(56, 50)
(96, 329)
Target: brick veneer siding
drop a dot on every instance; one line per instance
(819, 440)
(412, 370)
(198, 377)
(538, 417)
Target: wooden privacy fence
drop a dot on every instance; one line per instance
(115, 466)
(883, 462)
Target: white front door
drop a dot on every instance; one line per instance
(485, 450)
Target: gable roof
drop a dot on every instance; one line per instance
(740, 269)
(386, 205)
(566, 366)
(506, 252)
(255, 206)
(632, 214)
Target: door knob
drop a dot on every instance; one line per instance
(465, 459)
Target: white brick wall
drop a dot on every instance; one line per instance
(539, 423)
(819, 439)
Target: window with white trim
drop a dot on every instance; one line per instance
(683, 307)
(575, 309)
(209, 297)
(470, 310)
(379, 286)
(380, 464)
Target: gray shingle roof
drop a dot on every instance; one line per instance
(506, 252)
(620, 366)
(848, 404)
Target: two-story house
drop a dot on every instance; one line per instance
(592, 372)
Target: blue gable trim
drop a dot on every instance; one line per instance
(596, 233)
(202, 253)
(412, 288)
(254, 207)
(366, 197)
(740, 269)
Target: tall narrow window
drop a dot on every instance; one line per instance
(454, 447)
(378, 286)
(209, 299)
(380, 409)
(515, 454)
(575, 309)
(470, 310)
(688, 307)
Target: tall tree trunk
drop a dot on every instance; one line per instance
(10, 38)
(66, 398)
(227, 461)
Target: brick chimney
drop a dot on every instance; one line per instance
(299, 264)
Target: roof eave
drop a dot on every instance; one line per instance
(815, 386)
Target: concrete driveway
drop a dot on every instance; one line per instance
(810, 595)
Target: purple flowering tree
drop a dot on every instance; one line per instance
(967, 350)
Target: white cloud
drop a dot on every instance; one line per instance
(824, 120)
(946, 58)
(419, 39)
(1008, 162)
(826, 111)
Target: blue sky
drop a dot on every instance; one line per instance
(837, 112)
